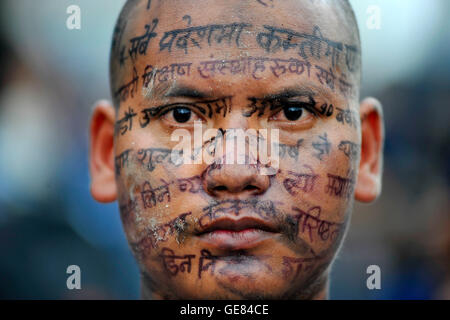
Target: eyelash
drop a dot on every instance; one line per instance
(166, 109)
(303, 105)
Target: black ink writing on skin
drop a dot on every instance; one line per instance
(147, 113)
(184, 39)
(326, 110)
(300, 181)
(216, 142)
(206, 262)
(139, 44)
(129, 89)
(119, 31)
(154, 76)
(260, 105)
(253, 66)
(309, 222)
(264, 2)
(313, 45)
(121, 161)
(174, 264)
(290, 150)
(202, 266)
(349, 148)
(169, 259)
(210, 147)
(347, 116)
(340, 187)
(125, 124)
(150, 196)
(151, 157)
(221, 106)
(292, 266)
(325, 77)
(323, 146)
(122, 57)
(192, 184)
(117, 34)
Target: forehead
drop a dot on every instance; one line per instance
(299, 13)
(218, 39)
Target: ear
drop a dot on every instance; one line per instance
(101, 153)
(368, 186)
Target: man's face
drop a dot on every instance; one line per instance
(218, 230)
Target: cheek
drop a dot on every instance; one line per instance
(156, 199)
(317, 188)
(335, 164)
(135, 180)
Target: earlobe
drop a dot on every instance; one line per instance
(101, 155)
(368, 185)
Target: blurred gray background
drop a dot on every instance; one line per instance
(51, 76)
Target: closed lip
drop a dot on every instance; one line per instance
(236, 234)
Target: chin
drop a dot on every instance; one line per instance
(247, 279)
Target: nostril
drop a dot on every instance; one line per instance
(220, 188)
(251, 187)
(233, 180)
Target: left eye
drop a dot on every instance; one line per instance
(291, 113)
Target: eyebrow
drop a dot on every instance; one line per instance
(301, 90)
(290, 93)
(185, 91)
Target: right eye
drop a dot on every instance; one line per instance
(180, 115)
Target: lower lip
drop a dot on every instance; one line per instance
(236, 240)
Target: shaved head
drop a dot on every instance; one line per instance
(338, 10)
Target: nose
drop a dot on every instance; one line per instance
(229, 176)
(225, 180)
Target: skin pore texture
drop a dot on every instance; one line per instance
(226, 231)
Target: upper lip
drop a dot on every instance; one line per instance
(237, 225)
